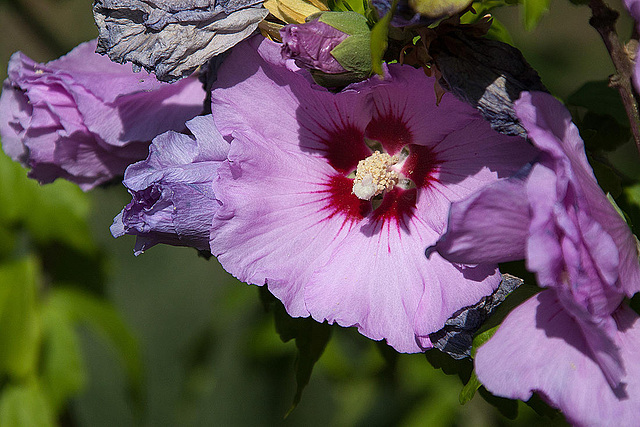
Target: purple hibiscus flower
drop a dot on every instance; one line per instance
(173, 200)
(330, 199)
(85, 118)
(580, 340)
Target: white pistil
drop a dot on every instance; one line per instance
(374, 175)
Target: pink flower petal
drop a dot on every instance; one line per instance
(549, 125)
(489, 226)
(554, 360)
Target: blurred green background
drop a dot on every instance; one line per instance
(200, 347)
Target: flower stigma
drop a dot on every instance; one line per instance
(374, 175)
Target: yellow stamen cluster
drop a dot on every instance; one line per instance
(374, 175)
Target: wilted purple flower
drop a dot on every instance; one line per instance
(173, 38)
(556, 216)
(330, 199)
(335, 47)
(85, 118)
(173, 200)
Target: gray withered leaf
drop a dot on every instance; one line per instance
(456, 337)
(488, 74)
(173, 37)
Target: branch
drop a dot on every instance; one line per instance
(603, 20)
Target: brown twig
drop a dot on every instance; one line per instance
(603, 20)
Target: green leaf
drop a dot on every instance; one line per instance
(543, 409)
(358, 6)
(632, 208)
(105, 321)
(607, 178)
(602, 132)
(310, 336)
(624, 216)
(20, 333)
(63, 371)
(379, 36)
(450, 366)
(499, 32)
(470, 388)
(515, 298)
(599, 98)
(53, 212)
(533, 11)
(7, 242)
(507, 407)
(634, 303)
(633, 194)
(482, 338)
(311, 340)
(25, 405)
(481, 8)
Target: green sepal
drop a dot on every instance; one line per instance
(351, 23)
(353, 54)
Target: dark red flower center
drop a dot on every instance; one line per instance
(347, 145)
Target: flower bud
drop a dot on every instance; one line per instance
(333, 46)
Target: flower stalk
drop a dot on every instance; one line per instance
(603, 19)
